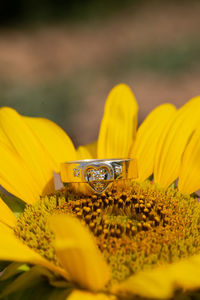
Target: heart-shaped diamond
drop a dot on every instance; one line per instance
(98, 177)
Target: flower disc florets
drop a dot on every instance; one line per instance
(136, 226)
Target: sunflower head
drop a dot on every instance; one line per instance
(136, 227)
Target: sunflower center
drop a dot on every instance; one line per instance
(136, 227)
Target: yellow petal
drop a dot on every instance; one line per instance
(4, 139)
(78, 253)
(150, 284)
(29, 148)
(15, 177)
(13, 249)
(83, 153)
(174, 141)
(161, 282)
(118, 126)
(87, 151)
(186, 273)
(6, 215)
(53, 138)
(189, 175)
(147, 138)
(83, 295)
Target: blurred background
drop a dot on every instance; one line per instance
(59, 59)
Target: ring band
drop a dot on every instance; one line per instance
(98, 173)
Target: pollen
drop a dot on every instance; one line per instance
(136, 226)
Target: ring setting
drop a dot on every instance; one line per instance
(98, 177)
(98, 174)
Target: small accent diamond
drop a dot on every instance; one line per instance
(118, 170)
(76, 172)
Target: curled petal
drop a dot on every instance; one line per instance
(83, 295)
(173, 142)
(87, 151)
(6, 215)
(148, 135)
(118, 126)
(78, 254)
(161, 282)
(55, 141)
(25, 143)
(189, 175)
(12, 249)
(15, 176)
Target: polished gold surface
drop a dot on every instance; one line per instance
(73, 171)
(97, 174)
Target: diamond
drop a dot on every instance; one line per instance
(118, 170)
(97, 174)
(76, 172)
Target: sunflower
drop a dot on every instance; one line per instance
(137, 240)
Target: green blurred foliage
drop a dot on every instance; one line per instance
(169, 61)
